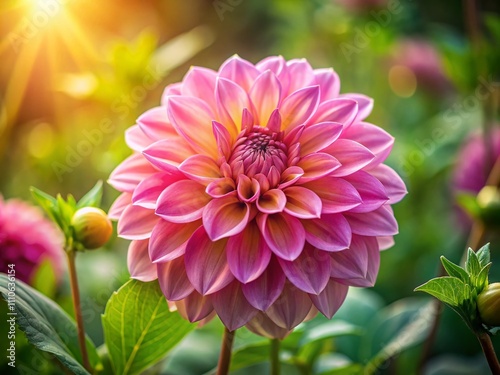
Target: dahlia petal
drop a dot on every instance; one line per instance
(139, 265)
(130, 172)
(393, 184)
(330, 299)
(206, 263)
(342, 111)
(154, 123)
(168, 240)
(380, 222)
(172, 89)
(224, 217)
(192, 118)
(200, 168)
(374, 138)
(240, 71)
(147, 192)
(195, 307)
(182, 202)
(118, 206)
(283, 233)
(370, 189)
(248, 254)
(221, 187)
(310, 272)
(351, 263)
(302, 73)
(265, 290)
(136, 139)
(352, 155)
(291, 308)
(261, 325)
(317, 165)
(222, 139)
(265, 95)
(231, 100)
(272, 201)
(330, 232)
(302, 203)
(277, 65)
(136, 223)
(173, 279)
(248, 189)
(336, 194)
(298, 107)
(200, 82)
(367, 249)
(329, 83)
(365, 105)
(274, 122)
(317, 137)
(290, 176)
(232, 307)
(385, 242)
(168, 154)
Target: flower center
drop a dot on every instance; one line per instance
(259, 149)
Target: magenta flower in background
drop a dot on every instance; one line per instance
(422, 58)
(27, 239)
(257, 193)
(474, 164)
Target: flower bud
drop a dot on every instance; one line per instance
(488, 304)
(488, 201)
(92, 227)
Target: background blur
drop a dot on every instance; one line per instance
(75, 74)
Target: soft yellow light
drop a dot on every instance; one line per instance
(41, 140)
(402, 81)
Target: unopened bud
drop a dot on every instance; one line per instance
(488, 304)
(92, 227)
(488, 201)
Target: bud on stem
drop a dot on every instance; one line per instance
(92, 227)
(488, 304)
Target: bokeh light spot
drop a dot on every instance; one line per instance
(41, 140)
(402, 81)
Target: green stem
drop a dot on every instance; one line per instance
(77, 307)
(225, 352)
(275, 357)
(489, 352)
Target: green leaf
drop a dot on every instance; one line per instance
(472, 265)
(483, 255)
(447, 289)
(138, 327)
(48, 203)
(397, 328)
(330, 329)
(46, 325)
(92, 198)
(482, 278)
(455, 270)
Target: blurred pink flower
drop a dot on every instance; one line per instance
(257, 192)
(422, 58)
(474, 164)
(27, 239)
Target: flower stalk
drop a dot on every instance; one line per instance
(275, 360)
(75, 293)
(489, 352)
(225, 352)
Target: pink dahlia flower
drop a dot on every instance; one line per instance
(257, 192)
(27, 239)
